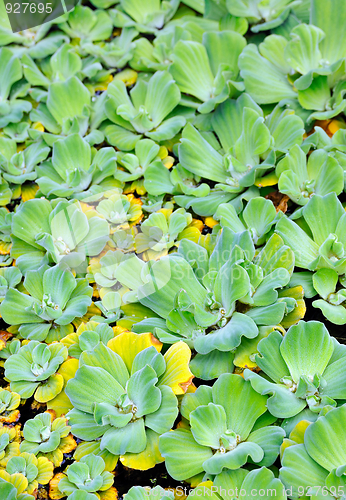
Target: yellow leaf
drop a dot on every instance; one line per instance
(297, 314)
(147, 458)
(50, 389)
(29, 191)
(54, 492)
(297, 434)
(38, 126)
(177, 375)
(269, 180)
(67, 444)
(285, 444)
(5, 247)
(210, 222)
(129, 344)
(111, 494)
(128, 76)
(61, 404)
(45, 470)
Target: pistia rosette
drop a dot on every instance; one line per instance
(51, 300)
(120, 210)
(146, 18)
(251, 484)
(87, 475)
(207, 70)
(245, 144)
(148, 111)
(9, 402)
(19, 167)
(9, 443)
(87, 336)
(33, 370)
(14, 492)
(301, 370)
(128, 419)
(267, 69)
(301, 179)
(35, 470)
(160, 231)
(46, 436)
(315, 450)
(53, 232)
(67, 111)
(188, 291)
(320, 247)
(228, 426)
(147, 155)
(76, 170)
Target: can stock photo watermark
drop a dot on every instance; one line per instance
(20, 15)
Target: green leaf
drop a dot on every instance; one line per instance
(304, 248)
(131, 439)
(302, 52)
(229, 337)
(242, 404)
(11, 71)
(300, 471)
(233, 459)
(282, 403)
(208, 424)
(199, 157)
(142, 391)
(191, 69)
(307, 348)
(92, 385)
(314, 214)
(163, 418)
(270, 359)
(324, 439)
(215, 43)
(269, 439)
(184, 457)
(67, 99)
(330, 17)
(263, 81)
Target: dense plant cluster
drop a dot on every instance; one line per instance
(172, 224)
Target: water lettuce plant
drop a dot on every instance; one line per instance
(33, 370)
(9, 402)
(55, 232)
(35, 470)
(52, 299)
(142, 403)
(225, 431)
(75, 170)
(318, 453)
(192, 302)
(251, 483)
(146, 111)
(172, 225)
(296, 382)
(46, 436)
(245, 144)
(88, 475)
